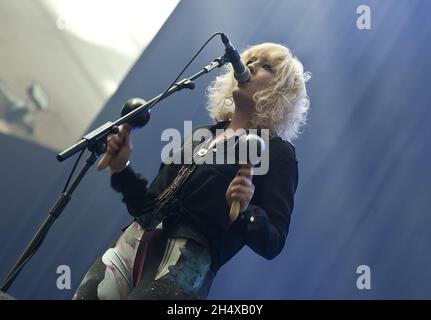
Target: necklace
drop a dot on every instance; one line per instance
(213, 141)
(204, 150)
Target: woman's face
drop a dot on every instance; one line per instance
(261, 73)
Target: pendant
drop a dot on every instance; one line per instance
(202, 152)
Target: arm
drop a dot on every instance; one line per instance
(123, 178)
(265, 222)
(132, 186)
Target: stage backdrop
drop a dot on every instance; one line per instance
(364, 179)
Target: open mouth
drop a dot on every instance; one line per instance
(243, 83)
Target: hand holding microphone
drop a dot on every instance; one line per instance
(118, 150)
(241, 189)
(119, 146)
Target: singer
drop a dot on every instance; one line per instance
(182, 231)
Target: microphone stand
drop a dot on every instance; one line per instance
(95, 141)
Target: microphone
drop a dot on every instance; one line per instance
(253, 142)
(241, 72)
(138, 122)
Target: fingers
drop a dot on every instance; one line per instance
(245, 170)
(126, 127)
(241, 195)
(240, 189)
(241, 184)
(116, 141)
(113, 144)
(242, 198)
(127, 141)
(242, 180)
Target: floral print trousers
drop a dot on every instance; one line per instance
(147, 265)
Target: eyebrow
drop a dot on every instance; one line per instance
(264, 59)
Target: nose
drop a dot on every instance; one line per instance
(252, 68)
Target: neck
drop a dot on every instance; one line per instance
(241, 119)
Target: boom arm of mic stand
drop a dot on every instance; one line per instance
(92, 140)
(100, 134)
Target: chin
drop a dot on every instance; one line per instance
(237, 94)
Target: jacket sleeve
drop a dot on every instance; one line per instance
(265, 223)
(132, 186)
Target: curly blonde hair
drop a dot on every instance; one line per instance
(281, 107)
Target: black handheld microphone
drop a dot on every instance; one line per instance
(241, 72)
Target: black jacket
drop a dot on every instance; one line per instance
(200, 211)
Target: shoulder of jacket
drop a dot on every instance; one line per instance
(280, 148)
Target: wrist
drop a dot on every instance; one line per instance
(115, 170)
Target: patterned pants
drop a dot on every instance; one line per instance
(148, 265)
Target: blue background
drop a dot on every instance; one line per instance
(364, 189)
